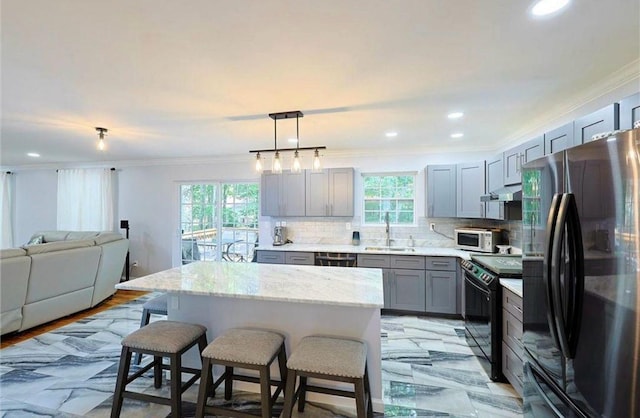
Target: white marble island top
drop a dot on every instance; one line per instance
(340, 286)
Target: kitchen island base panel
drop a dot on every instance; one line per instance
(294, 321)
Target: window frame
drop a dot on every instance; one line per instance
(412, 174)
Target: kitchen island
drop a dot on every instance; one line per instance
(294, 300)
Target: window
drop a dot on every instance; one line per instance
(208, 236)
(393, 193)
(85, 199)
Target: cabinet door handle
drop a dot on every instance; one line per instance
(431, 210)
(518, 162)
(439, 263)
(482, 210)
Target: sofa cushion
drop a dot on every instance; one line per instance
(58, 246)
(12, 252)
(105, 237)
(75, 235)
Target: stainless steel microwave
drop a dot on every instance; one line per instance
(478, 239)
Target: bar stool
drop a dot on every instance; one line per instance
(247, 349)
(329, 358)
(158, 306)
(160, 339)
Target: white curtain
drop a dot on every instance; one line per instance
(5, 207)
(85, 199)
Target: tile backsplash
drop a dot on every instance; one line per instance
(335, 231)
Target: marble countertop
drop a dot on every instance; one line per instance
(340, 286)
(360, 249)
(515, 285)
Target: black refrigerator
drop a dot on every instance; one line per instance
(581, 274)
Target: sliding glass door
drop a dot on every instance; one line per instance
(219, 221)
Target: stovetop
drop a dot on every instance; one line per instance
(502, 265)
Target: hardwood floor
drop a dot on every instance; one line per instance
(120, 297)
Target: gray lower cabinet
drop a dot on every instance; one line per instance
(441, 191)
(285, 257)
(270, 257)
(512, 348)
(441, 292)
(408, 290)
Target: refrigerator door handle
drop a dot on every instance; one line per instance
(576, 291)
(547, 272)
(557, 259)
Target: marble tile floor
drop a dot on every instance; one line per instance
(428, 371)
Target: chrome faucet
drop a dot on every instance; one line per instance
(386, 221)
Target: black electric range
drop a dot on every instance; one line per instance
(483, 306)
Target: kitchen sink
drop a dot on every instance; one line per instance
(391, 249)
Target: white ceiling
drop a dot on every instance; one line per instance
(173, 79)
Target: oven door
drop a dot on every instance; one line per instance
(478, 314)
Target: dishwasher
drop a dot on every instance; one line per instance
(336, 259)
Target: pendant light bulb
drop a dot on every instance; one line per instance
(101, 132)
(101, 144)
(258, 163)
(317, 164)
(277, 164)
(296, 167)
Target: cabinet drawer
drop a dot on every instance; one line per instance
(441, 263)
(308, 259)
(411, 262)
(512, 368)
(373, 260)
(271, 257)
(512, 332)
(512, 303)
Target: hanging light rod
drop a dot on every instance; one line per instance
(286, 115)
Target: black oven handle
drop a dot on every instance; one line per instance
(470, 281)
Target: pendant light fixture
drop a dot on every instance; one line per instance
(101, 132)
(296, 166)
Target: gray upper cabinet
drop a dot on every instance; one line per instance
(494, 181)
(340, 192)
(282, 194)
(522, 154)
(629, 111)
(329, 192)
(559, 139)
(603, 120)
(441, 191)
(470, 186)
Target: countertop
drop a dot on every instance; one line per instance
(360, 249)
(340, 286)
(515, 285)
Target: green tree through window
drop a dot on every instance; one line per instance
(389, 193)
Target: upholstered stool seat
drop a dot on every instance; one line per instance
(157, 306)
(160, 339)
(246, 349)
(328, 358)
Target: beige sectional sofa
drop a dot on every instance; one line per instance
(70, 271)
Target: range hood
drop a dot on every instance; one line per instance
(505, 194)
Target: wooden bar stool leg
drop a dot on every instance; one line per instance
(176, 385)
(361, 404)
(367, 388)
(228, 382)
(206, 386)
(282, 365)
(289, 394)
(202, 344)
(302, 397)
(265, 391)
(146, 316)
(123, 374)
(157, 372)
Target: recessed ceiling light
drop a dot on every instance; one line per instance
(293, 140)
(455, 115)
(457, 135)
(391, 134)
(547, 7)
(33, 154)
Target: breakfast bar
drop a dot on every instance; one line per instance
(294, 300)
